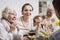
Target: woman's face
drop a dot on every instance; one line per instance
(27, 11)
(12, 16)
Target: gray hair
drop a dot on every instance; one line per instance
(5, 12)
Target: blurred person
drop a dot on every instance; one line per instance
(37, 21)
(48, 19)
(9, 22)
(38, 24)
(56, 34)
(40, 28)
(25, 20)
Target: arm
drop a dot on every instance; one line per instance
(3, 33)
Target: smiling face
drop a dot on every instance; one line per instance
(12, 16)
(27, 11)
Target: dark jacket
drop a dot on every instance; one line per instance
(55, 35)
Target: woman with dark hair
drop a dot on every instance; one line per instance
(25, 20)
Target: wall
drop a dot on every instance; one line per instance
(17, 4)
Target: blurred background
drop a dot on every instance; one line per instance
(17, 4)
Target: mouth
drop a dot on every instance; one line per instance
(38, 22)
(27, 14)
(14, 18)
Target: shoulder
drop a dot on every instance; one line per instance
(3, 21)
(2, 29)
(1, 25)
(19, 22)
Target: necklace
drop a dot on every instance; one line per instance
(24, 23)
(27, 25)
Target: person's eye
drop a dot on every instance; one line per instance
(30, 10)
(12, 14)
(26, 10)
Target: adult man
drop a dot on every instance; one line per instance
(56, 35)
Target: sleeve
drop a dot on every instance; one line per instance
(1, 32)
(6, 25)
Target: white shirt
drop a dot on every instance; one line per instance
(25, 27)
(6, 24)
(3, 33)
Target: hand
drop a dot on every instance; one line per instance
(12, 27)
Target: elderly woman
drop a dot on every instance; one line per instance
(9, 22)
(25, 20)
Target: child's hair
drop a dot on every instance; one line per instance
(36, 17)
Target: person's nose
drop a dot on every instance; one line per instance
(14, 17)
(28, 11)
